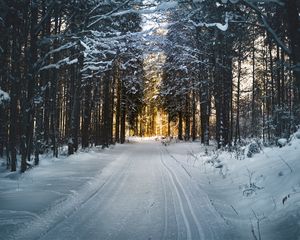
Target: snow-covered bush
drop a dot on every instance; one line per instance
(239, 152)
(253, 148)
(4, 97)
(282, 142)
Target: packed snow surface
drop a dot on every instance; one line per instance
(149, 190)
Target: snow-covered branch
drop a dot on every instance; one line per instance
(222, 27)
(267, 26)
(59, 64)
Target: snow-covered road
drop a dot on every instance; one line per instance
(144, 190)
(143, 194)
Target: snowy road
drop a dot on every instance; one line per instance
(144, 194)
(143, 190)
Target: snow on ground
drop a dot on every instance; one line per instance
(49, 188)
(148, 190)
(250, 193)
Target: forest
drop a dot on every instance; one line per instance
(82, 73)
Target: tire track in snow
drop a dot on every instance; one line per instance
(112, 182)
(177, 185)
(61, 212)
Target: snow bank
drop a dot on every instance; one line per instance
(263, 189)
(296, 135)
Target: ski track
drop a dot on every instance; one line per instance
(177, 217)
(186, 221)
(178, 185)
(165, 206)
(204, 195)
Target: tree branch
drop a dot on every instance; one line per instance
(267, 26)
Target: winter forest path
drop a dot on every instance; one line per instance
(143, 194)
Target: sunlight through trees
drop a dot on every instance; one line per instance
(83, 73)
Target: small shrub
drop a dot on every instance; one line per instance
(253, 149)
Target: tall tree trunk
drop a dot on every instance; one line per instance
(75, 117)
(4, 121)
(53, 89)
(194, 116)
(253, 110)
(106, 111)
(86, 115)
(112, 110)
(14, 95)
(32, 85)
(123, 114)
(293, 23)
(237, 121)
(180, 120)
(187, 134)
(169, 125)
(118, 111)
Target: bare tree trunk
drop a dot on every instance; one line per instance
(86, 115)
(112, 110)
(194, 116)
(237, 121)
(293, 23)
(14, 94)
(187, 118)
(123, 114)
(106, 111)
(180, 125)
(118, 111)
(253, 110)
(169, 125)
(75, 117)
